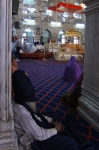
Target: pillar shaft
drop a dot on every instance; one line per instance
(6, 115)
(89, 101)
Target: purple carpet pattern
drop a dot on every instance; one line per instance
(46, 76)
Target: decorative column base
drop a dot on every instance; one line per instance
(89, 107)
(7, 141)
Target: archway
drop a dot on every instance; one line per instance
(28, 34)
(46, 36)
(28, 39)
(61, 37)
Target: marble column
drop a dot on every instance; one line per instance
(6, 115)
(89, 101)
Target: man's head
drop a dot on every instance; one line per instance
(23, 87)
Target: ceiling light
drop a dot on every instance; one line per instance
(49, 12)
(25, 12)
(65, 14)
(83, 6)
(45, 1)
(55, 24)
(28, 30)
(78, 16)
(76, 3)
(80, 26)
(61, 32)
(31, 10)
(29, 22)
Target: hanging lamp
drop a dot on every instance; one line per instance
(55, 23)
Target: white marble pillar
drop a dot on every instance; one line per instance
(89, 101)
(6, 116)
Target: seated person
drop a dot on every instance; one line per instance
(72, 71)
(29, 87)
(39, 47)
(33, 49)
(72, 97)
(42, 47)
(35, 132)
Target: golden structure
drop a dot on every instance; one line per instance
(73, 32)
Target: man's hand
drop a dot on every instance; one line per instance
(59, 127)
(26, 73)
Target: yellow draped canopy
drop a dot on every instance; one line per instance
(73, 32)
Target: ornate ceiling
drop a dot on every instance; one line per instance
(41, 13)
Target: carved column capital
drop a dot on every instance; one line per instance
(92, 6)
(6, 114)
(87, 1)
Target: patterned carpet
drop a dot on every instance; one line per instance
(46, 76)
